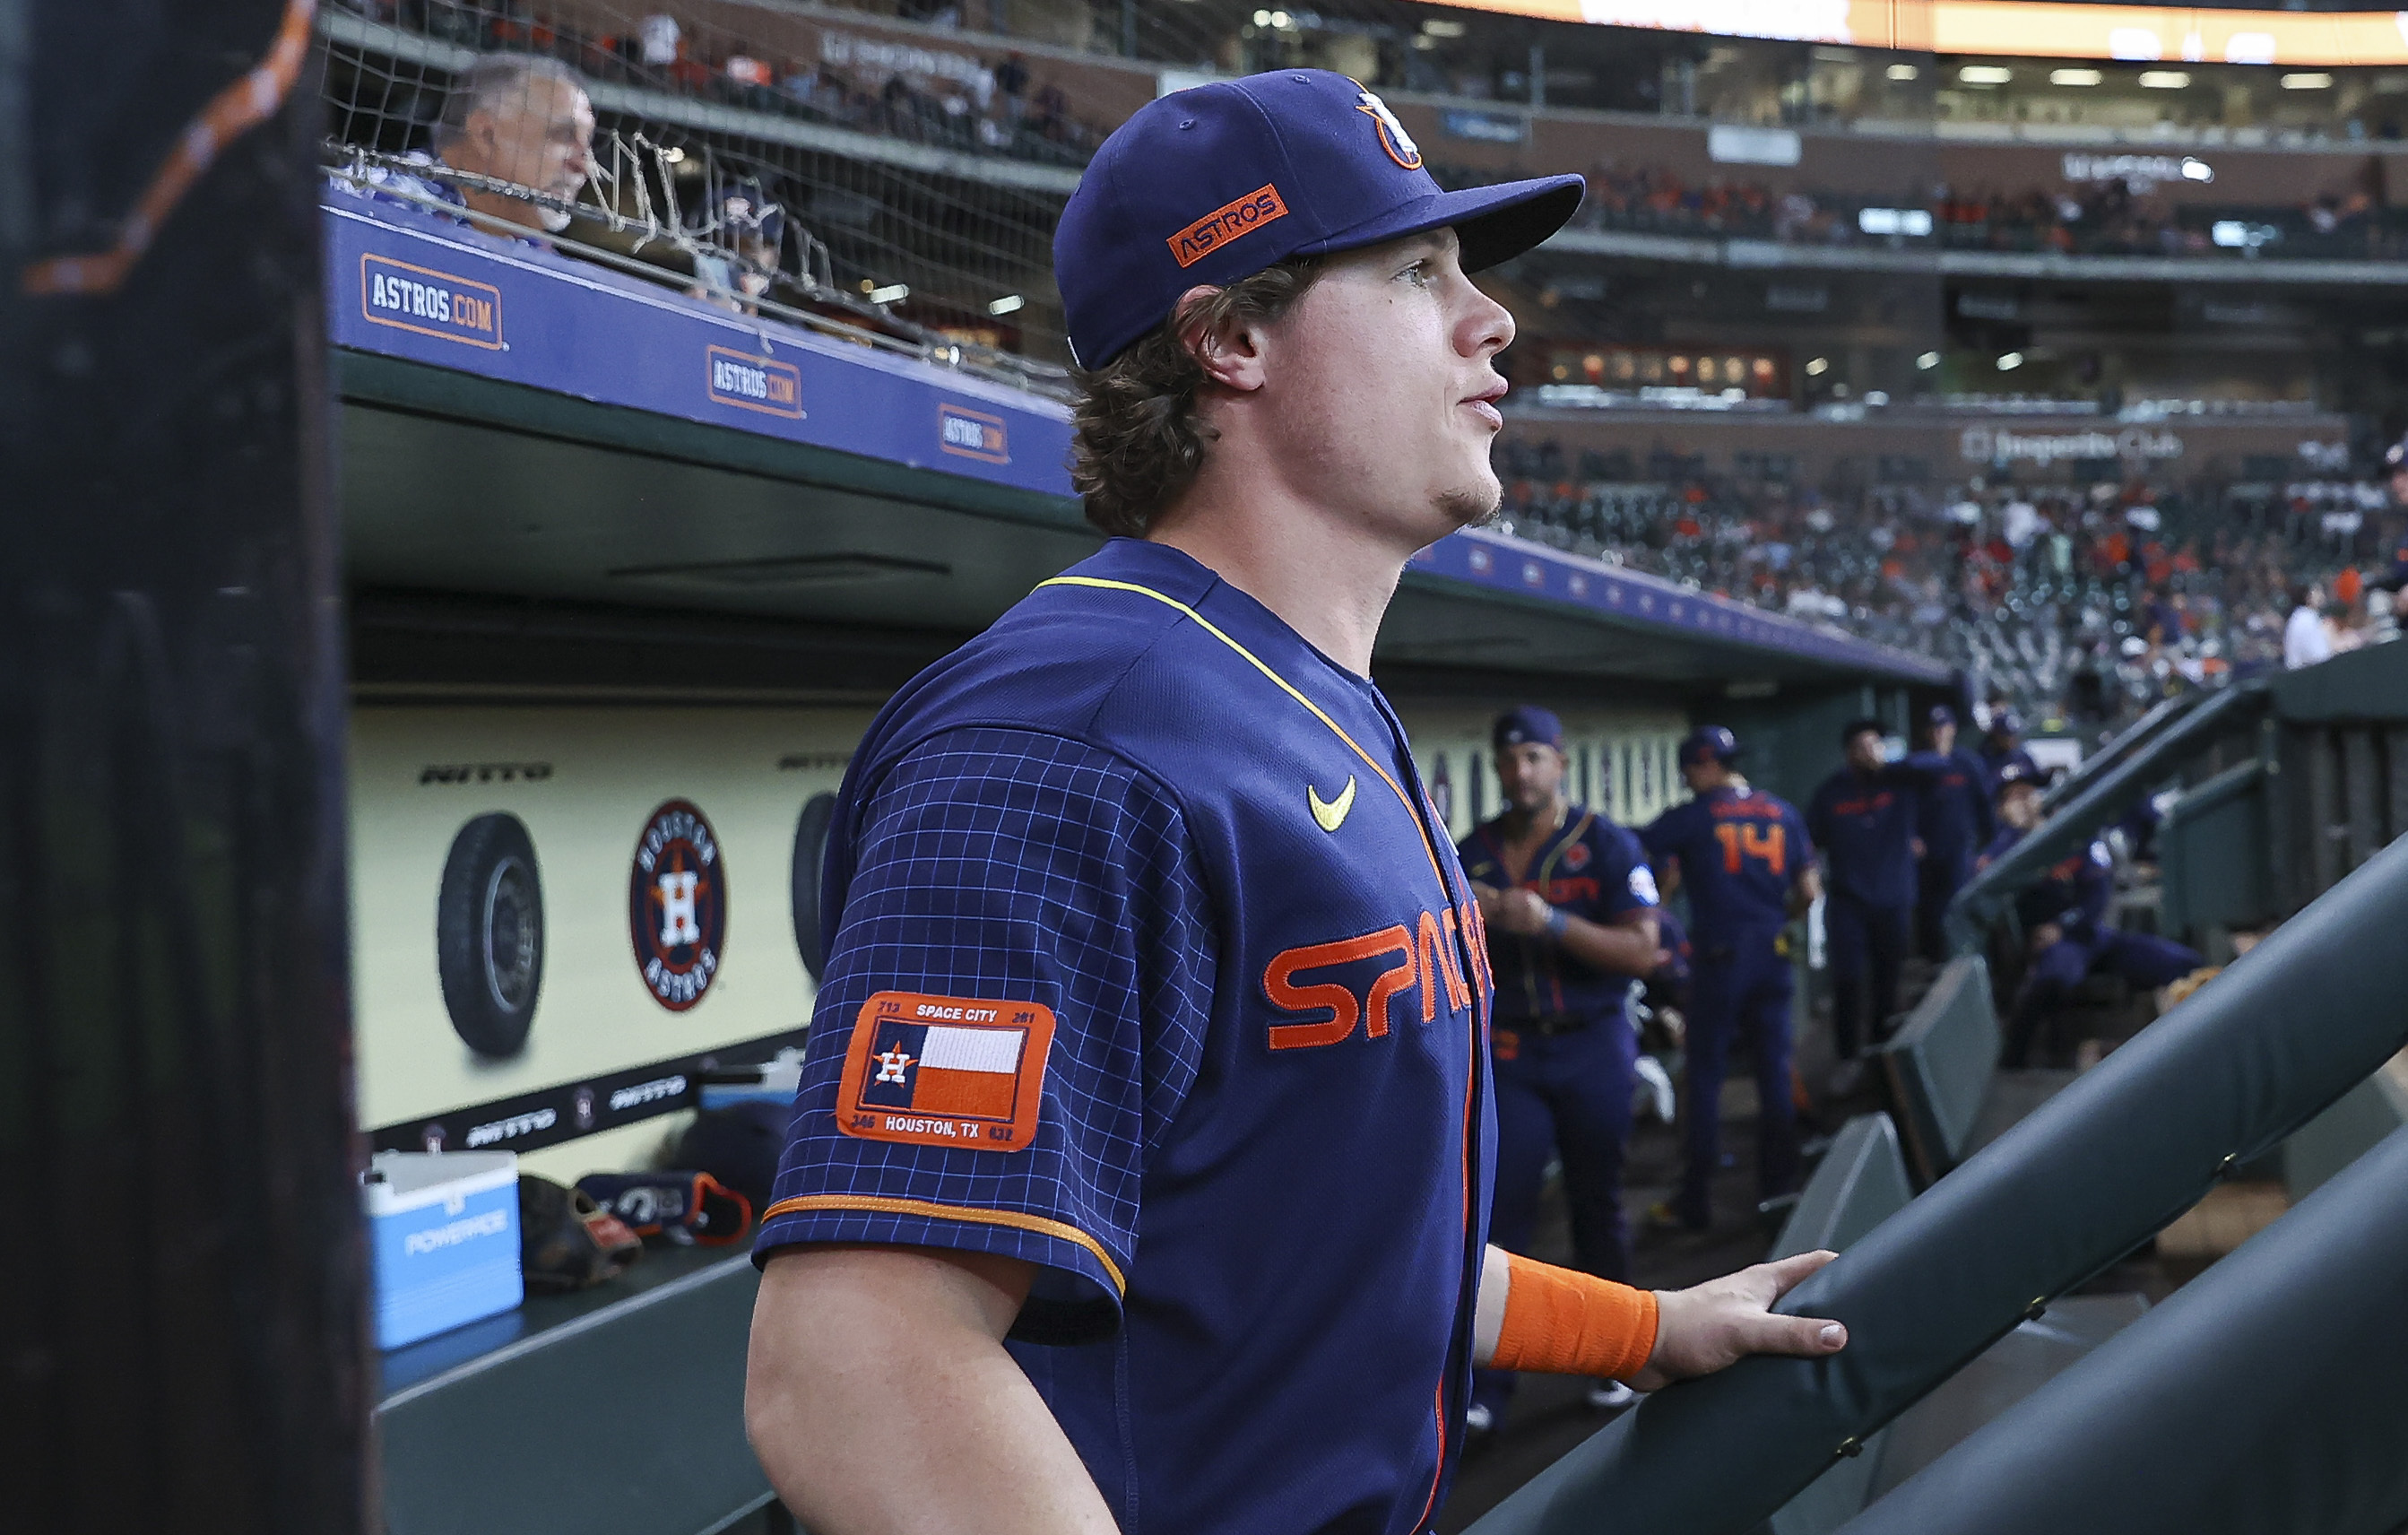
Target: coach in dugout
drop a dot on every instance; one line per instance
(1139, 1172)
(1571, 908)
(516, 117)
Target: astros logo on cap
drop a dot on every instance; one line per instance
(1392, 138)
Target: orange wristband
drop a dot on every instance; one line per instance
(1561, 1322)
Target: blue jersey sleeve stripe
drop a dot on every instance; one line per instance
(929, 1210)
(1289, 688)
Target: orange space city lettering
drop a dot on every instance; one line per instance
(1353, 982)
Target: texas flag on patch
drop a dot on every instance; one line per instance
(945, 1072)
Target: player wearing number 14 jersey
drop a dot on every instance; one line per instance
(1745, 860)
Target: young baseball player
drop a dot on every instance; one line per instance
(1139, 1172)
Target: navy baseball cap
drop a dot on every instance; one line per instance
(2004, 722)
(1525, 725)
(1940, 714)
(1217, 182)
(1707, 741)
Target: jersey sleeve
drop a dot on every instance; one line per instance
(1627, 883)
(1001, 878)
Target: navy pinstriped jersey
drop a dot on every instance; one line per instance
(1149, 963)
(1590, 868)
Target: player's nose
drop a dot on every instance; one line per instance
(1487, 327)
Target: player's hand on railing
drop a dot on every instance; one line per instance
(1711, 1326)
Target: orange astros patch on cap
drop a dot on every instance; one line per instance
(1233, 220)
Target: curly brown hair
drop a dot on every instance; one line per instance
(1137, 441)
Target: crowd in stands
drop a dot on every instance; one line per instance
(2081, 604)
(949, 98)
(2101, 219)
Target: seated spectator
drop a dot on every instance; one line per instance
(513, 118)
(742, 238)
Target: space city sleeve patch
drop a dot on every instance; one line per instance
(945, 1072)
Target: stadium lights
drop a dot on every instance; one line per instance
(2074, 77)
(1894, 221)
(894, 292)
(2010, 361)
(1007, 303)
(2164, 80)
(1819, 367)
(1904, 72)
(2307, 82)
(1929, 361)
(1984, 73)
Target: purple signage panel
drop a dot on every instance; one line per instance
(422, 288)
(412, 285)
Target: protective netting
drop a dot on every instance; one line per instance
(901, 164)
(920, 218)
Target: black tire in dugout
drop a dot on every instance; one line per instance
(489, 934)
(811, 850)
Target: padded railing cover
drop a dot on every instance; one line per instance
(2072, 824)
(2268, 1394)
(1860, 1184)
(2093, 1173)
(2133, 737)
(1940, 1061)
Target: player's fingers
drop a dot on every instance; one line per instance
(1786, 1274)
(1803, 1336)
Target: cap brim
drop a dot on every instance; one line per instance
(1495, 224)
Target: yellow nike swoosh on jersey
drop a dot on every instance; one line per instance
(1331, 813)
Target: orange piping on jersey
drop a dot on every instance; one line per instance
(1423, 1519)
(1020, 1220)
(1286, 687)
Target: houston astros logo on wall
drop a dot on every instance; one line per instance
(677, 905)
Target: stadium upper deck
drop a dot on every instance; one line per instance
(1817, 282)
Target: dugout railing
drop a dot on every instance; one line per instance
(2087, 1178)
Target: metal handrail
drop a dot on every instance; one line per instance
(2284, 1033)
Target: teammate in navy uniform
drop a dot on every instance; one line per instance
(1956, 825)
(1570, 909)
(1139, 1172)
(2002, 748)
(1864, 817)
(1748, 865)
(2063, 919)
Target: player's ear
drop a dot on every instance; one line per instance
(1227, 349)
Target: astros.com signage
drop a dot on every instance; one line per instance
(1996, 445)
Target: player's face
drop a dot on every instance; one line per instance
(1865, 751)
(1384, 393)
(1531, 776)
(2019, 807)
(1944, 739)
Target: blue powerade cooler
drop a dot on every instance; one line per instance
(443, 1236)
